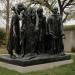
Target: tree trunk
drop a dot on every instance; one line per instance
(7, 19)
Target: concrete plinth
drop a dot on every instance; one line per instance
(37, 63)
(39, 67)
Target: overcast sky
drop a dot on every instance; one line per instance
(2, 21)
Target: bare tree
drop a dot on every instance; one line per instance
(63, 4)
(48, 3)
(7, 17)
(6, 14)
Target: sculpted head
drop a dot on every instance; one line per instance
(20, 7)
(55, 10)
(40, 11)
(31, 12)
(14, 9)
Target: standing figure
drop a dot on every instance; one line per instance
(55, 32)
(23, 31)
(41, 30)
(14, 35)
(30, 30)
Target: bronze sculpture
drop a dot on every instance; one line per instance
(30, 30)
(55, 31)
(37, 36)
(41, 29)
(37, 41)
(14, 36)
(23, 31)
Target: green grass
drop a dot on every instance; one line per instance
(62, 70)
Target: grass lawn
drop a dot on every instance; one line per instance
(62, 70)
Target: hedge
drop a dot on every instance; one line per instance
(2, 37)
(69, 27)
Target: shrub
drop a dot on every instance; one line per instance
(2, 37)
(73, 49)
(70, 27)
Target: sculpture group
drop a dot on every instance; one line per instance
(37, 35)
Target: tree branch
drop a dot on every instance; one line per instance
(48, 5)
(63, 2)
(65, 16)
(67, 4)
(59, 2)
(72, 4)
(45, 3)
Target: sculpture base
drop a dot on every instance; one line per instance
(34, 60)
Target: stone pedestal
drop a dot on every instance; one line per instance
(34, 60)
